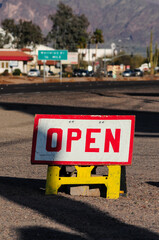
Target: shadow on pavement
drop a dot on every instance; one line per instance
(87, 221)
(146, 122)
(42, 233)
(156, 184)
(142, 94)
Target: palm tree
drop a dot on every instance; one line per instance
(97, 38)
(82, 43)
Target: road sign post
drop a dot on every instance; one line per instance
(44, 70)
(55, 55)
(60, 72)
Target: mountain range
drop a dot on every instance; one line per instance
(127, 22)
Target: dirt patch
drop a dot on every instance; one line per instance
(25, 79)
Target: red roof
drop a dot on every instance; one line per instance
(14, 56)
(49, 62)
(26, 50)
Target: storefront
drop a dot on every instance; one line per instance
(13, 59)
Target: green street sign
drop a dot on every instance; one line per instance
(56, 55)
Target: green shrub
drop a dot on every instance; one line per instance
(68, 74)
(16, 72)
(5, 73)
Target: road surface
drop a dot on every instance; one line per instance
(26, 213)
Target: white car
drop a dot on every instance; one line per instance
(34, 73)
(128, 73)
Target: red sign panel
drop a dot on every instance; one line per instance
(82, 140)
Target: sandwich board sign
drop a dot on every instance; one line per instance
(83, 140)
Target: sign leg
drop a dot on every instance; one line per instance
(52, 182)
(44, 71)
(113, 185)
(123, 184)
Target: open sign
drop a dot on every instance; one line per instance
(82, 140)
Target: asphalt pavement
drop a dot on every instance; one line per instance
(76, 86)
(26, 213)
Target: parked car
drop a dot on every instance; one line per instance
(77, 72)
(34, 73)
(110, 73)
(128, 73)
(90, 73)
(138, 72)
(82, 73)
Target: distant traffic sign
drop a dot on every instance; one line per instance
(56, 55)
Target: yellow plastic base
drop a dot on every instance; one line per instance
(112, 181)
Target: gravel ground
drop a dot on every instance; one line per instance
(27, 214)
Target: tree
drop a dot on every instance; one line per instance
(68, 30)
(97, 38)
(134, 61)
(4, 39)
(152, 57)
(24, 32)
(9, 26)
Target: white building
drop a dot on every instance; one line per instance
(11, 59)
(91, 55)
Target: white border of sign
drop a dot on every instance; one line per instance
(97, 155)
